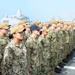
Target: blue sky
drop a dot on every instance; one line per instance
(42, 10)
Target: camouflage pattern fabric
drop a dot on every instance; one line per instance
(32, 55)
(14, 61)
(46, 67)
(3, 43)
